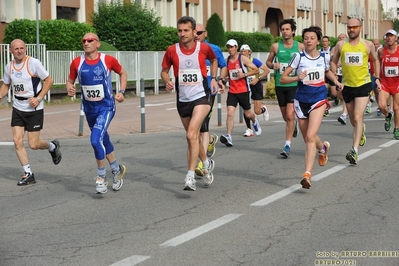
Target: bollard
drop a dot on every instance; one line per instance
(81, 120)
(142, 104)
(219, 99)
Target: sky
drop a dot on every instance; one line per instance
(387, 4)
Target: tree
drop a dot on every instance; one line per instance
(56, 34)
(106, 47)
(215, 30)
(258, 41)
(127, 26)
(396, 24)
(165, 37)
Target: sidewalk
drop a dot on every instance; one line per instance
(62, 120)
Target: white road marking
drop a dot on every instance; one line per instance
(201, 230)
(318, 177)
(133, 260)
(389, 144)
(366, 154)
(6, 143)
(276, 196)
(157, 104)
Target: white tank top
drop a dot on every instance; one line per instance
(190, 80)
(25, 82)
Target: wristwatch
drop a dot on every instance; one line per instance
(39, 99)
(123, 92)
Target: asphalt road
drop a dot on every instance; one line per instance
(255, 212)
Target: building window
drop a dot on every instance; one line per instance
(187, 9)
(68, 13)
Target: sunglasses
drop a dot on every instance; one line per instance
(200, 32)
(352, 27)
(89, 40)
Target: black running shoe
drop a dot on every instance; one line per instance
(28, 178)
(56, 153)
(336, 101)
(295, 129)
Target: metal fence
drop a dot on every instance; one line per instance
(146, 65)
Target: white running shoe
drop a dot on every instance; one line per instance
(189, 183)
(118, 177)
(342, 119)
(207, 177)
(248, 133)
(226, 140)
(266, 114)
(101, 185)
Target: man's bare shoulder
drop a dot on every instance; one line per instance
(301, 46)
(274, 47)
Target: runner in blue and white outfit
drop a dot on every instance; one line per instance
(310, 100)
(93, 69)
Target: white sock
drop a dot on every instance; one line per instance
(51, 146)
(206, 163)
(27, 169)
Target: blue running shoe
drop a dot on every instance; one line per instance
(286, 151)
(257, 128)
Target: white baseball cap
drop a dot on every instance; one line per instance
(393, 32)
(245, 47)
(232, 42)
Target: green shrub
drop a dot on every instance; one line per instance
(127, 26)
(214, 27)
(106, 47)
(270, 89)
(296, 38)
(259, 42)
(56, 34)
(165, 37)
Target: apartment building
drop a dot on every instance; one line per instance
(237, 15)
(391, 9)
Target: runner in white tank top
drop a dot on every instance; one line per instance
(188, 59)
(24, 76)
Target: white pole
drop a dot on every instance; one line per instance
(37, 30)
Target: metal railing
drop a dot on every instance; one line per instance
(143, 64)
